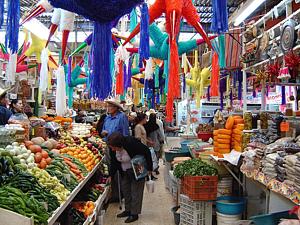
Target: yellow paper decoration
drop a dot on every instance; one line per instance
(36, 47)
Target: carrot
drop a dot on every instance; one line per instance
(72, 165)
(76, 171)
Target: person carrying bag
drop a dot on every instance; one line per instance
(123, 150)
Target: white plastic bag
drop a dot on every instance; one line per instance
(154, 158)
(150, 185)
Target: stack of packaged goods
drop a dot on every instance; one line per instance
(237, 133)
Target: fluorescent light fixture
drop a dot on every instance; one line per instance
(250, 8)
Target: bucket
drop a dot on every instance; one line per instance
(225, 187)
(223, 219)
(150, 185)
(176, 215)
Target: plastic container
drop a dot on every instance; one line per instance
(230, 205)
(271, 219)
(200, 188)
(194, 212)
(225, 187)
(223, 219)
(176, 215)
(205, 136)
(184, 145)
(170, 155)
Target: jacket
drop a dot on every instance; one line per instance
(5, 114)
(133, 147)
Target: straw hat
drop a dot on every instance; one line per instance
(4, 91)
(150, 112)
(114, 102)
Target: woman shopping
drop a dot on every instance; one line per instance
(122, 151)
(139, 130)
(154, 135)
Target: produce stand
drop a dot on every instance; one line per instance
(74, 193)
(98, 204)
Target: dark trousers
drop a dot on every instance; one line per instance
(133, 191)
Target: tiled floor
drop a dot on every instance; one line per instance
(156, 207)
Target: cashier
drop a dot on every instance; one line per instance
(5, 113)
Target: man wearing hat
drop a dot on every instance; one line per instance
(116, 121)
(5, 113)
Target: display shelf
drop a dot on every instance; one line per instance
(92, 218)
(63, 206)
(270, 13)
(273, 185)
(267, 60)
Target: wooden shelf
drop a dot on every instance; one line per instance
(267, 60)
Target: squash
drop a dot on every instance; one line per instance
(238, 121)
(38, 140)
(216, 149)
(224, 131)
(48, 145)
(223, 145)
(229, 123)
(224, 141)
(224, 136)
(53, 142)
(237, 148)
(215, 132)
(237, 132)
(237, 117)
(224, 150)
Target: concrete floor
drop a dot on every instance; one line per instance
(156, 207)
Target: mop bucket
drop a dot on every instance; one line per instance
(150, 185)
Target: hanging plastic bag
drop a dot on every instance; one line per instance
(139, 167)
(154, 158)
(150, 185)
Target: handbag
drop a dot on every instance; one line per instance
(139, 166)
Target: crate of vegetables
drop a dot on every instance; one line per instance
(199, 180)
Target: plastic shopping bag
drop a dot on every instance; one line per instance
(139, 166)
(154, 158)
(150, 185)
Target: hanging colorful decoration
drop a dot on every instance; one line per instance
(292, 61)
(174, 10)
(12, 21)
(144, 51)
(214, 87)
(41, 7)
(55, 21)
(219, 23)
(160, 49)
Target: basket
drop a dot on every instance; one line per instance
(205, 136)
(200, 188)
(194, 212)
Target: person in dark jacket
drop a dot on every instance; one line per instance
(100, 123)
(5, 113)
(122, 150)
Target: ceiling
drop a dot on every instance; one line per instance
(204, 9)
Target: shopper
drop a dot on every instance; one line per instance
(5, 113)
(16, 106)
(139, 130)
(100, 123)
(154, 134)
(122, 150)
(116, 121)
(170, 130)
(132, 122)
(79, 118)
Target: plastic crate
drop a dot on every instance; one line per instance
(167, 178)
(200, 188)
(195, 212)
